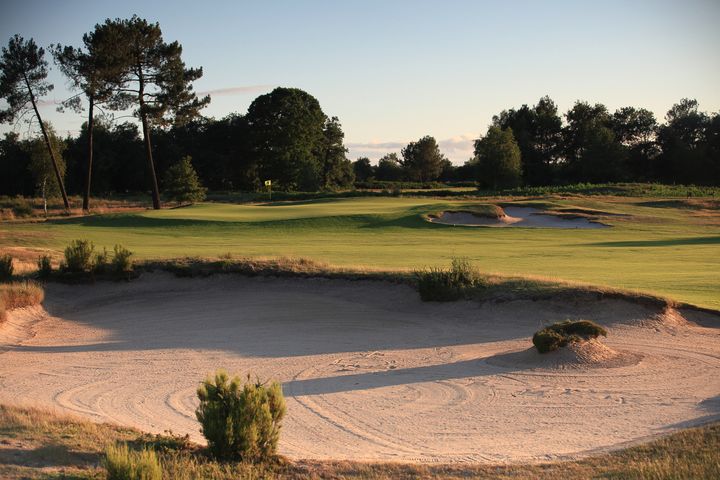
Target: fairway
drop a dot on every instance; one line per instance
(666, 247)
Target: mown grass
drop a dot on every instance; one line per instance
(37, 444)
(665, 247)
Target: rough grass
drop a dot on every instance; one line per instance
(460, 280)
(19, 294)
(37, 444)
(560, 334)
(663, 250)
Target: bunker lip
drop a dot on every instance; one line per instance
(528, 217)
(368, 370)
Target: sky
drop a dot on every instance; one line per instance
(394, 71)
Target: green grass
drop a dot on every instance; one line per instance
(36, 444)
(660, 246)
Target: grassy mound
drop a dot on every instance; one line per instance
(562, 333)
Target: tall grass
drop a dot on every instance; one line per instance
(19, 294)
(438, 284)
(122, 463)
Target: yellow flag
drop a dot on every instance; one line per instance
(268, 183)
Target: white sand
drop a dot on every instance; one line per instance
(370, 372)
(517, 217)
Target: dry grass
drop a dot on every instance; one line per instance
(493, 287)
(37, 444)
(19, 294)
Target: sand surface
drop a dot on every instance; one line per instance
(369, 371)
(517, 217)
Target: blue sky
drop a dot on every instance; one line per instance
(394, 71)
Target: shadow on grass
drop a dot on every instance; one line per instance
(711, 240)
(49, 455)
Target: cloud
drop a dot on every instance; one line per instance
(47, 103)
(457, 149)
(236, 90)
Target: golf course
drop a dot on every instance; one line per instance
(662, 246)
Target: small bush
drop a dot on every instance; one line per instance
(122, 463)
(44, 264)
(6, 268)
(240, 421)
(22, 208)
(442, 285)
(560, 334)
(79, 256)
(101, 261)
(121, 262)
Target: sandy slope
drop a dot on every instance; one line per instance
(370, 372)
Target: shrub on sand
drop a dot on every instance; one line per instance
(438, 284)
(101, 261)
(6, 268)
(121, 262)
(240, 421)
(79, 256)
(44, 266)
(562, 333)
(122, 463)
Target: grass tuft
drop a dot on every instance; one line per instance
(438, 284)
(19, 294)
(560, 334)
(122, 463)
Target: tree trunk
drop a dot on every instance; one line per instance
(148, 145)
(44, 197)
(88, 178)
(49, 147)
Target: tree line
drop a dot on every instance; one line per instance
(535, 146)
(285, 137)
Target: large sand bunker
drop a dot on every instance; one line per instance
(517, 217)
(369, 371)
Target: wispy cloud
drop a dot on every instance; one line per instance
(48, 103)
(457, 149)
(239, 90)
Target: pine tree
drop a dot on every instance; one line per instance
(23, 74)
(156, 80)
(182, 183)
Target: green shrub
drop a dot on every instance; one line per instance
(182, 183)
(240, 421)
(44, 264)
(22, 208)
(121, 262)
(6, 267)
(442, 285)
(122, 463)
(101, 261)
(560, 334)
(78, 256)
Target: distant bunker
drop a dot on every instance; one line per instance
(517, 217)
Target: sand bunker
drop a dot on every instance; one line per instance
(517, 217)
(369, 371)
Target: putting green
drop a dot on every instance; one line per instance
(666, 247)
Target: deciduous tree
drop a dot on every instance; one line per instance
(498, 159)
